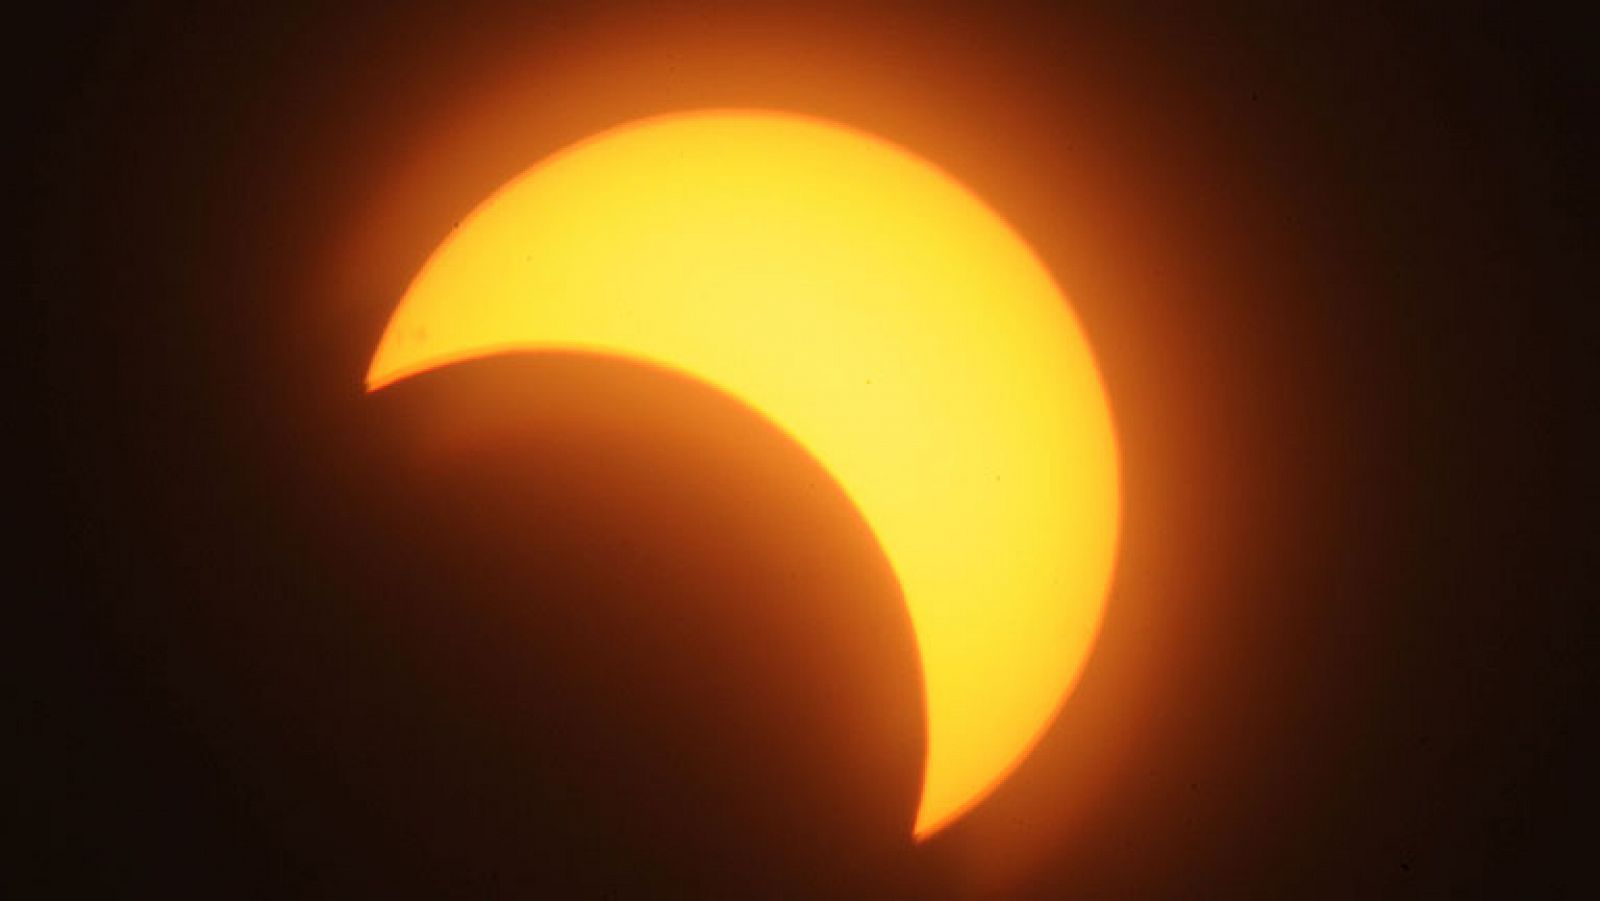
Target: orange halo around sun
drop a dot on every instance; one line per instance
(879, 313)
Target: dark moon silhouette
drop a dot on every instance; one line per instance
(610, 630)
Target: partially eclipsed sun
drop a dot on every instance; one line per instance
(879, 313)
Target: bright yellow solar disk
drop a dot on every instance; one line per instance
(880, 314)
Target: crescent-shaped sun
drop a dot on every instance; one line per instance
(878, 312)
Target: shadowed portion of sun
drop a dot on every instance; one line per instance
(878, 312)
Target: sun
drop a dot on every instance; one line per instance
(882, 315)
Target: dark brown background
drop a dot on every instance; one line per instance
(577, 625)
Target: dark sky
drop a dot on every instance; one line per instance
(280, 639)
